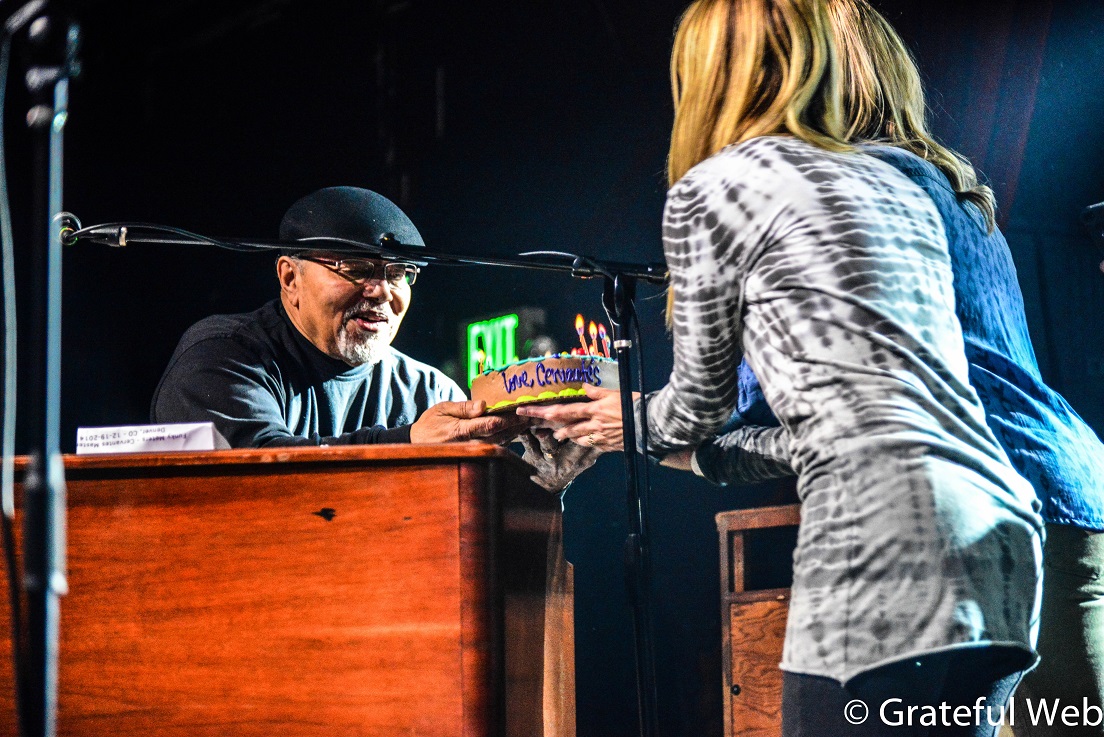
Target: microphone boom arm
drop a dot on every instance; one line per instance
(120, 234)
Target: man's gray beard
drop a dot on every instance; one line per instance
(365, 348)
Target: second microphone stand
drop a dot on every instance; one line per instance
(52, 43)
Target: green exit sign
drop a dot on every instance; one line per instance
(497, 338)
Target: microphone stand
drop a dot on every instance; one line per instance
(620, 280)
(617, 298)
(52, 47)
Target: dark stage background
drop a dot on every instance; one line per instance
(500, 127)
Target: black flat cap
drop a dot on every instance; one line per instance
(347, 220)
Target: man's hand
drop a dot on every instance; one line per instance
(454, 421)
(557, 463)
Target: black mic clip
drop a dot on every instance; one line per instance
(65, 225)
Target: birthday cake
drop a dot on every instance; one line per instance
(544, 380)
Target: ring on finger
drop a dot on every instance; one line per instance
(591, 440)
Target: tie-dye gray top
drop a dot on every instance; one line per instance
(830, 272)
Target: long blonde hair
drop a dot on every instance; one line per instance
(884, 98)
(747, 68)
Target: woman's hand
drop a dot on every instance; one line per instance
(680, 459)
(593, 424)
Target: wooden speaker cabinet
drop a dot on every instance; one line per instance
(383, 591)
(753, 622)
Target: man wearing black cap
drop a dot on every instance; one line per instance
(316, 366)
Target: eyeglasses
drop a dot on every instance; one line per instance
(362, 270)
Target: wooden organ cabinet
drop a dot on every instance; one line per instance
(365, 590)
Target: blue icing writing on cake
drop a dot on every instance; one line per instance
(543, 380)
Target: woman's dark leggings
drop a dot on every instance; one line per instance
(920, 690)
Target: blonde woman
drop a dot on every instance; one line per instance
(916, 572)
(1046, 440)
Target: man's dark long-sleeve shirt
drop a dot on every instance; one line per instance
(262, 383)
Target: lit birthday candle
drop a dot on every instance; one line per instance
(593, 339)
(579, 329)
(604, 337)
(481, 357)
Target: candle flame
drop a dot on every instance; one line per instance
(579, 329)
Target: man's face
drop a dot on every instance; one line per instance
(348, 321)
